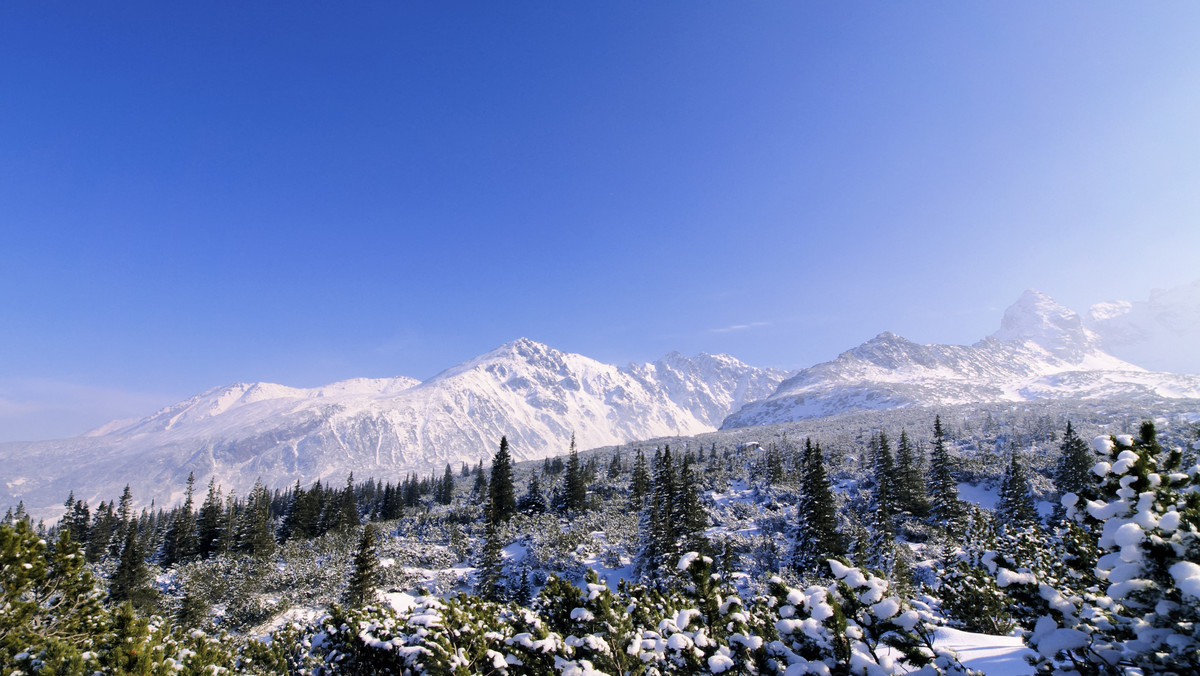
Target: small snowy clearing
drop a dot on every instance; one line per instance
(993, 655)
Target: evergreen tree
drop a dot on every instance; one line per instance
(944, 506)
(255, 535)
(180, 540)
(502, 499)
(774, 461)
(365, 577)
(342, 513)
(533, 502)
(639, 482)
(614, 466)
(124, 517)
(491, 566)
(1016, 507)
(816, 533)
(910, 481)
(445, 493)
(575, 482)
(688, 513)
(884, 479)
(1073, 471)
(104, 524)
(209, 522)
(51, 607)
(130, 582)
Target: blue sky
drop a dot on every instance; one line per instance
(301, 193)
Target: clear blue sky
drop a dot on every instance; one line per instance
(193, 194)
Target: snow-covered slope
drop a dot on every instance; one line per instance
(1041, 351)
(1160, 333)
(385, 428)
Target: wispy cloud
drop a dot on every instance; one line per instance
(740, 327)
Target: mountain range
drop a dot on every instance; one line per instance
(385, 428)
(1041, 351)
(539, 397)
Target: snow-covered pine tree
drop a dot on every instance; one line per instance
(533, 501)
(1073, 471)
(1146, 616)
(1015, 508)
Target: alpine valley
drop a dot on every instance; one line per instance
(539, 397)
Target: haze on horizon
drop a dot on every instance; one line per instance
(194, 196)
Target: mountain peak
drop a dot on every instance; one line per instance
(1037, 318)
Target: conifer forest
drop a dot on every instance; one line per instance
(846, 547)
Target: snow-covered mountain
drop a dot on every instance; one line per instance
(386, 428)
(1162, 332)
(1041, 351)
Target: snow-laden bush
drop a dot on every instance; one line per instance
(1145, 612)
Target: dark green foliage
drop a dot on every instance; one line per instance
(910, 479)
(342, 512)
(639, 482)
(50, 602)
(180, 542)
(502, 498)
(365, 577)
(945, 509)
(1073, 471)
(491, 567)
(104, 525)
(816, 536)
(255, 535)
(444, 494)
(209, 523)
(1015, 507)
(575, 482)
(131, 580)
(533, 501)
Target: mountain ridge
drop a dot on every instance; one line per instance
(534, 394)
(1041, 350)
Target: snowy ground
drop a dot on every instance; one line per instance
(993, 655)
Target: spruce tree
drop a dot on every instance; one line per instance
(1015, 507)
(884, 478)
(254, 535)
(491, 566)
(944, 506)
(346, 508)
(639, 482)
(209, 522)
(575, 482)
(533, 502)
(104, 524)
(180, 541)
(816, 536)
(910, 481)
(446, 489)
(502, 500)
(365, 577)
(1073, 471)
(130, 582)
(688, 512)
